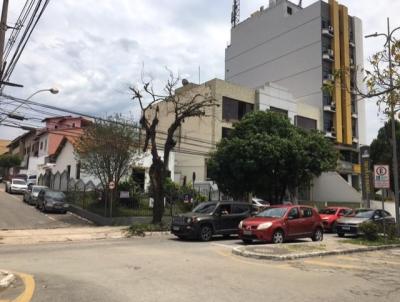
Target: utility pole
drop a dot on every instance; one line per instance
(395, 165)
(3, 28)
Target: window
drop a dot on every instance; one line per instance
(78, 170)
(240, 209)
(306, 212)
(294, 213)
(41, 145)
(233, 109)
(225, 209)
(69, 171)
(73, 125)
(279, 110)
(305, 122)
(226, 132)
(289, 10)
(45, 144)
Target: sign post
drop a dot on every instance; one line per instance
(382, 181)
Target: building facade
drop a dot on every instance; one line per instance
(302, 49)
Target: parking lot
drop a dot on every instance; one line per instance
(17, 215)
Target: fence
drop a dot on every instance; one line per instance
(92, 198)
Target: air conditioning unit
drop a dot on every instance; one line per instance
(333, 105)
(329, 77)
(330, 52)
(330, 27)
(351, 61)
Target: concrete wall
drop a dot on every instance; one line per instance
(331, 187)
(272, 46)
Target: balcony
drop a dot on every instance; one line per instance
(330, 107)
(330, 133)
(328, 31)
(329, 78)
(327, 55)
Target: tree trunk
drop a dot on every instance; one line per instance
(157, 181)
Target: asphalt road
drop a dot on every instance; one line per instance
(162, 268)
(17, 215)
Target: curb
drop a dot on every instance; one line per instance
(241, 251)
(6, 280)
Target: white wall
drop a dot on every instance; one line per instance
(331, 187)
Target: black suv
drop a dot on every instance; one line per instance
(210, 218)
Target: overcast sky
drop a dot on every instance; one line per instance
(93, 50)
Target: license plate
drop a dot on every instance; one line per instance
(345, 227)
(175, 228)
(246, 232)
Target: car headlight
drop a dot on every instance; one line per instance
(240, 224)
(190, 219)
(264, 226)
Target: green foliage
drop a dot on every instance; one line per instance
(266, 155)
(381, 147)
(370, 230)
(389, 230)
(140, 229)
(9, 160)
(106, 149)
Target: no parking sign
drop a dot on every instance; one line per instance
(381, 177)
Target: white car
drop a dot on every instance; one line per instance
(259, 204)
(18, 186)
(31, 180)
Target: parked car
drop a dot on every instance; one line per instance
(49, 200)
(330, 216)
(32, 193)
(31, 180)
(279, 223)
(351, 225)
(259, 204)
(210, 218)
(17, 186)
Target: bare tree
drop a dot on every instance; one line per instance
(181, 106)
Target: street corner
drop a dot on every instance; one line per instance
(18, 287)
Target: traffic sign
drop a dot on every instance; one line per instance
(111, 185)
(381, 177)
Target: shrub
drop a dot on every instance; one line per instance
(140, 229)
(389, 230)
(370, 230)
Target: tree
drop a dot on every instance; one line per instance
(106, 148)
(381, 149)
(266, 155)
(180, 105)
(8, 161)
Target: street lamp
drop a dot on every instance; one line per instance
(392, 102)
(51, 90)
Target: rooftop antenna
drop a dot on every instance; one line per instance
(300, 3)
(235, 17)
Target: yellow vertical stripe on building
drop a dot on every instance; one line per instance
(345, 66)
(334, 12)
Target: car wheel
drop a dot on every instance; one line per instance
(247, 241)
(205, 233)
(182, 237)
(333, 228)
(340, 234)
(318, 235)
(278, 237)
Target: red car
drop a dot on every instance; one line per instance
(279, 223)
(330, 215)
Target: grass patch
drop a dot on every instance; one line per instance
(378, 242)
(305, 248)
(140, 229)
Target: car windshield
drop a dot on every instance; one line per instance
(19, 182)
(272, 212)
(328, 211)
(205, 208)
(53, 194)
(32, 177)
(365, 214)
(38, 189)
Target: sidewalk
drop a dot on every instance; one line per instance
(60, 235)
(304, 249)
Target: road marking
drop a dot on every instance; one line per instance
(51, 218)
(29, 284)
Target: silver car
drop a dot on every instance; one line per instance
(18, 186)
(31, 195)
(351, 224)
